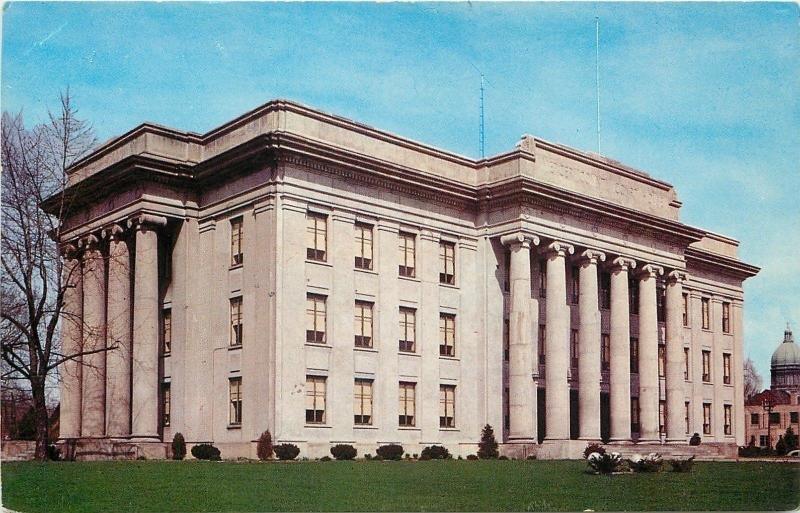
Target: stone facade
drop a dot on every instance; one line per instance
(335, 283)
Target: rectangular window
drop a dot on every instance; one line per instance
(236, 322)
(362, 402)
(707, 366)
(447, 263)
(235, 401)
(542, 277)
(661, 297)
(706, 418)
(726, 317)
(363, 324)
(166, 331)
(576, 284)
(408, 322)
(706, 312)
(605, 290)
(408, 399)
(662, 360)
(662, 416)
(542, 343)
(762, 440)
(754, 419)
(635, 414)
(686, 415)
(775, 418)
(686, 309)
(315, 399)
(633, 295)
(726, 368)
(793, 417)
(447, 335)
(634, 355)
(506, 409)
(316, 237)
(728, 410)
(408, 244)
(506, 339)
(573, 349)
(605, 351)
(447, 406)
(315, 319)
(237, 257)
(686, 365)
(363, 233)
(165, 403)
(507, 273)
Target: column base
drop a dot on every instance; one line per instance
(620, 441)
(144, 438)
(521, 440)
(591, 439)
(651, 441)
(677, 441)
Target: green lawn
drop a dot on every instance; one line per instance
(390, 486)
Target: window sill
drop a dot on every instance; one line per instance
(166, 355)
(234, 426)
(449, 286)
(707, 330)
(409, 278)
(360, 426)
(454, 429)
(405, 353)
(236, 266)
(365, 271)
(365, 349)
(316, 344)
(451, 358)
(319, 262)
(409, 428)
(234, 348)
(317, 426)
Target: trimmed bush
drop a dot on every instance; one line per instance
(650, 463)
(502, 458)
(344, 452)
(264, 448)
(790, 439)
(695, 439)
(286, 452)
(593, 448)
(325, 458)
(682, 465)
(472, 457)
(390, 451)
(780, 446)
(604, 463)
(206, 452)
(178, 447)
(435, 452)
(487, 447)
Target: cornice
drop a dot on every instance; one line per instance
(720, 263)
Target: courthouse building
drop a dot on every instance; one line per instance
(300, 272)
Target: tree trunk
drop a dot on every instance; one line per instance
(42, 421)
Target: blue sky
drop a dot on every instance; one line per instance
(704, 96)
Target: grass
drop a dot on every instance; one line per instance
(164, 486)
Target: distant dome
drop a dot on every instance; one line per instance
(788, 353)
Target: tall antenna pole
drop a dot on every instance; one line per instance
(597, 73)
(482, 134)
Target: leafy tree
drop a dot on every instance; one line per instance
(790, 439)
(178, 447)
(487, 448)
(780, 446)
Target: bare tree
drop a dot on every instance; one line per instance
(33, 283)
(752, 380)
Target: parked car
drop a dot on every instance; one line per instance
(794, 454)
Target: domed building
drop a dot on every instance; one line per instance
(785, 367)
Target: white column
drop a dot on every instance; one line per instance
(620, 371)
(589, 347)
(522, 394)
(676, 426)
(118, 359)
(71, 343)
(557, 404)
(94, 337)
(145, 328)
(648, 354)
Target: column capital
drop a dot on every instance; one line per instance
(676, 277)
(90, 241)
(114, 232)
(623, 263)
(558, 248)
(69, 250)
(650, 271)
(146, 221)
(592, 256)
(519, 238)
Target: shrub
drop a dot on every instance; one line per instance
(286, 452)
(502, 458)
(178, 447)
(415, 456)
(695, 439)
(487, 447)
(790, 438)
(604, 463)
(390, 451)
(53, 453)
(206, 452)
(531, 457)
(780, 446)
(264, 448)
(424, 457)
(650, 463)
(682, 465)
(325, 458)
(593, 448)
(435, 452)
(472, 457)
(344, 452)
(368, 456)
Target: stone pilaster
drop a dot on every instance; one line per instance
(522, 393)
(676, 427)
(118, 357)
(557, 403)
(620, 369)
(71, 344)
(589, 347)
(94, 340)
(648, 354)
(145, 327)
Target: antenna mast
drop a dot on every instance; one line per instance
(482, 133)
(597, 73)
